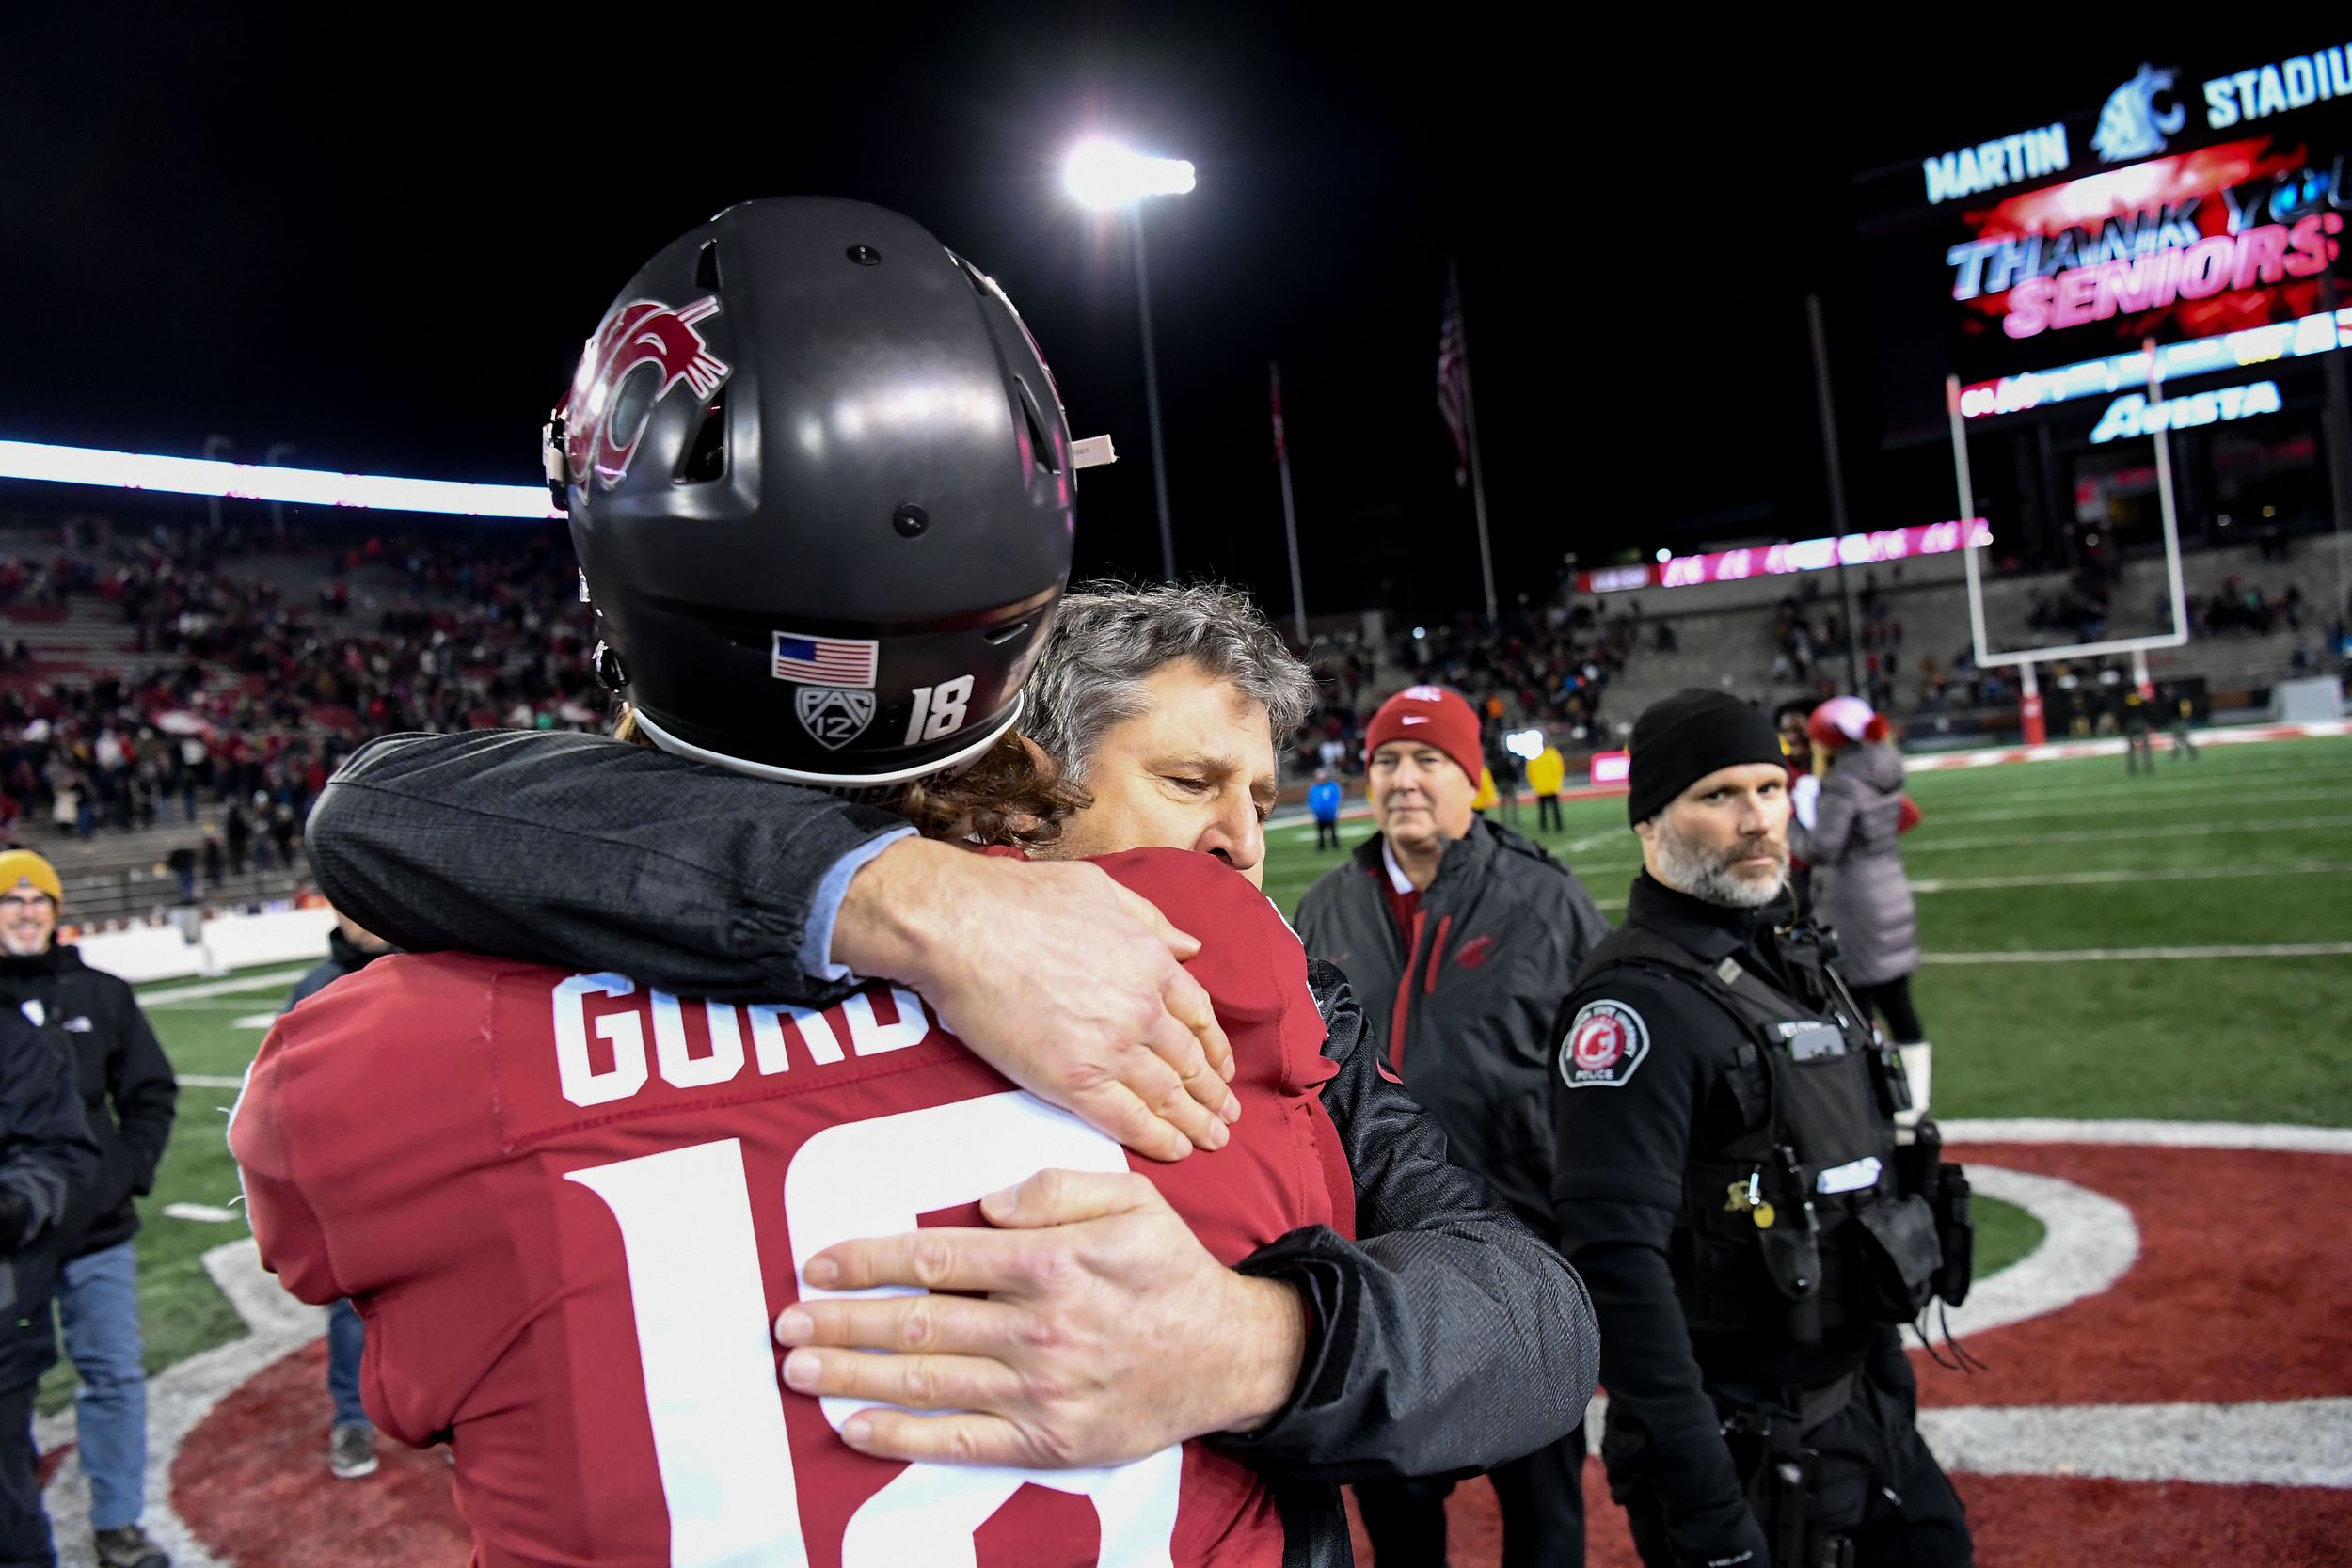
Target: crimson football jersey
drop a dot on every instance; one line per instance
(571, 1207)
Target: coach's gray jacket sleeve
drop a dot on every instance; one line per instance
(1448, 1338)
(577, 850)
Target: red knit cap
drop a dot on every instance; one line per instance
(1432, 716)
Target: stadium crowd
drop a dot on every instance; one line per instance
(234, 694)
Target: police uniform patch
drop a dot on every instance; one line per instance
(1605, 1042)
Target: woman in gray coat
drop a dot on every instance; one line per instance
(1846, 830)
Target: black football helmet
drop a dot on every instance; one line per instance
(820, 486)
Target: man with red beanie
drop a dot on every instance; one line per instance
(1463, 936)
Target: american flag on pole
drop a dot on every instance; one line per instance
(1452, 395)
(824, 660)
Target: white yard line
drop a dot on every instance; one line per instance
(2088, 879)
(2168, 803)
(1927, 842)
(230, 987)
(2281, 1137)
(209, 1080)
(2185, 778)
(2150, 954)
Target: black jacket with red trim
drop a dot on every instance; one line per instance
(1466, 1008)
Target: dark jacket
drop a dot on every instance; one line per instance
(1677, 1079)
(1467, 1011)
(344, 957)
(1859, 889)
(47, 1158)
(128, 1086)
(1445, 1338)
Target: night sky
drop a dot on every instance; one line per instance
(383, 241)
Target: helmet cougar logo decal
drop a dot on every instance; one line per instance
(644, 350)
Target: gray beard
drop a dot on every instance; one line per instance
(1687, 869)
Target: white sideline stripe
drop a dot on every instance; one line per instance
(2088, 1242)
(2275, 1136)
(169, 994)
(209, 1080)
(180, 1397)
(2148, 955)
(2086, 878)
(2183, 779)
(2131, 808)
(2285, 1443)
(1925, 842)
(2062, 750)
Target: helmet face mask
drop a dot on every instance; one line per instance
(819, 484)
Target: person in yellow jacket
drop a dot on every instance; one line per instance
(1545, 774)
(1487, 795)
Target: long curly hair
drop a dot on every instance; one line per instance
(1014, 794)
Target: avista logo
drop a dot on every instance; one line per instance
(643, 351)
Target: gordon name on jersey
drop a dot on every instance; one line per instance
(603, 1022)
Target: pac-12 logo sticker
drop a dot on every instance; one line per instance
(1604, 1044)
(834, 716)
(643, 351)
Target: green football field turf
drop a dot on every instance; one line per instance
(2249, 846)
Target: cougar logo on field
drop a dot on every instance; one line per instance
(643, 351)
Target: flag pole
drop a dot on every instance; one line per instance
(1289, 509)
(1469, 421)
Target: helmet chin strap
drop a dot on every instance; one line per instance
(844, 783)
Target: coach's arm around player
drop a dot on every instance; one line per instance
(535, 843)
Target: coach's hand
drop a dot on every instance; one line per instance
(1107, 1332)
(1056, 977)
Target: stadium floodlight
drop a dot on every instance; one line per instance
(1105, 176)
(262, 481)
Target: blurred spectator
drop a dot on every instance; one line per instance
(239, 829)
(1324, 801)
(1545, 775)
(1847, 828)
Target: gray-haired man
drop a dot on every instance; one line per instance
(1446, 1339)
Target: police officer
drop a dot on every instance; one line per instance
(1729, 1185)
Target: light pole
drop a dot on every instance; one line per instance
(213, 447)
(1104, 176)
(278, 453)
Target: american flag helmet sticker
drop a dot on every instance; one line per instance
(824, 660)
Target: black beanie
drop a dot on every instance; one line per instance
(1680, 740)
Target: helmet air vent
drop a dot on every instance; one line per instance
(706, 460)
(1042, 450)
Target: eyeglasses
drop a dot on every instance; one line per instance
(15, 901)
